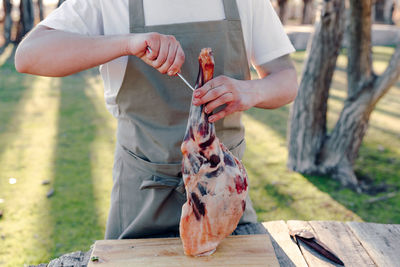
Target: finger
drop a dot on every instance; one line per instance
(162, 54)
(153, 42)
(213, 83)
(178, 61)
(222, 114)
(170, 59)
(223, 99)
(211, 95)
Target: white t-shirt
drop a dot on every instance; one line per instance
(264, 36)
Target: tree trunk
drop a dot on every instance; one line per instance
(27, 17)
(379, 7)
(388, 12)
(283, 10)
(308, 12)
(308, 114)
(311, 149)
(341, 149)
(40, 7)
(7, 7)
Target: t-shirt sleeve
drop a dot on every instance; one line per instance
(77, 16)
(269, 39)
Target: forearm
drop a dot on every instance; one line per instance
(274, 90)
(51, 52)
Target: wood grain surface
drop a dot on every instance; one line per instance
(312, 258)
(339, 238)
(381, 241)
(247, 250)
(286, 250)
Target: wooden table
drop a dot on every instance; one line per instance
(356, 244)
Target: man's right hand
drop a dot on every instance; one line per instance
(166, 53)
(50, 52)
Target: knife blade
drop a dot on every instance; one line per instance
(179, 75)
(310, 240)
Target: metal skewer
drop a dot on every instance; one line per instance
(179, 75)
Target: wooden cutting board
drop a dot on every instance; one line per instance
(245, 250)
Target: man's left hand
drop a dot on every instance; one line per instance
(276, 87)
(223, 90)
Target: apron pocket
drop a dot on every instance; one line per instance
(160, 182)
(157, 182)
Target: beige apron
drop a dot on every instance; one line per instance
(148, 191)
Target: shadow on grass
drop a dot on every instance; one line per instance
(73, 209)
(380, 211)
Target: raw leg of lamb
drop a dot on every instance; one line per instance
(215, 180)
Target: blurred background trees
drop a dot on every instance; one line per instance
(312, 149)
(19, 17)
(305, 11)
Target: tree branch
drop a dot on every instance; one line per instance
(389, 76)
(359, 69)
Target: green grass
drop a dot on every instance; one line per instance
(59, 130)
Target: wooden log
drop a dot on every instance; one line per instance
(286, 250)
(381, 241)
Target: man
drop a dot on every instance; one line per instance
(150, 103)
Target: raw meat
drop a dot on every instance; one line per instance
(215, 180)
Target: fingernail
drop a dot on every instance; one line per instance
(211, 119)
(206, 110)
(170, 73)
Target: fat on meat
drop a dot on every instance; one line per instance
(215, 180)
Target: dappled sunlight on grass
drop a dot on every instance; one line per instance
(27, 156)
(276, 192)
(381, 56)
(6, 53)
(378, 161)
(73, 207)
(102, 150)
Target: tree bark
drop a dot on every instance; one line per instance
(308, 12)
(283, 10)
(7, 7)
(27, 17)
(308, 115)
(359, 68)
(40, 7)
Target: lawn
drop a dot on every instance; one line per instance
(57, 129)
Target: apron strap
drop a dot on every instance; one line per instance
(231, 10)
(136, 16)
